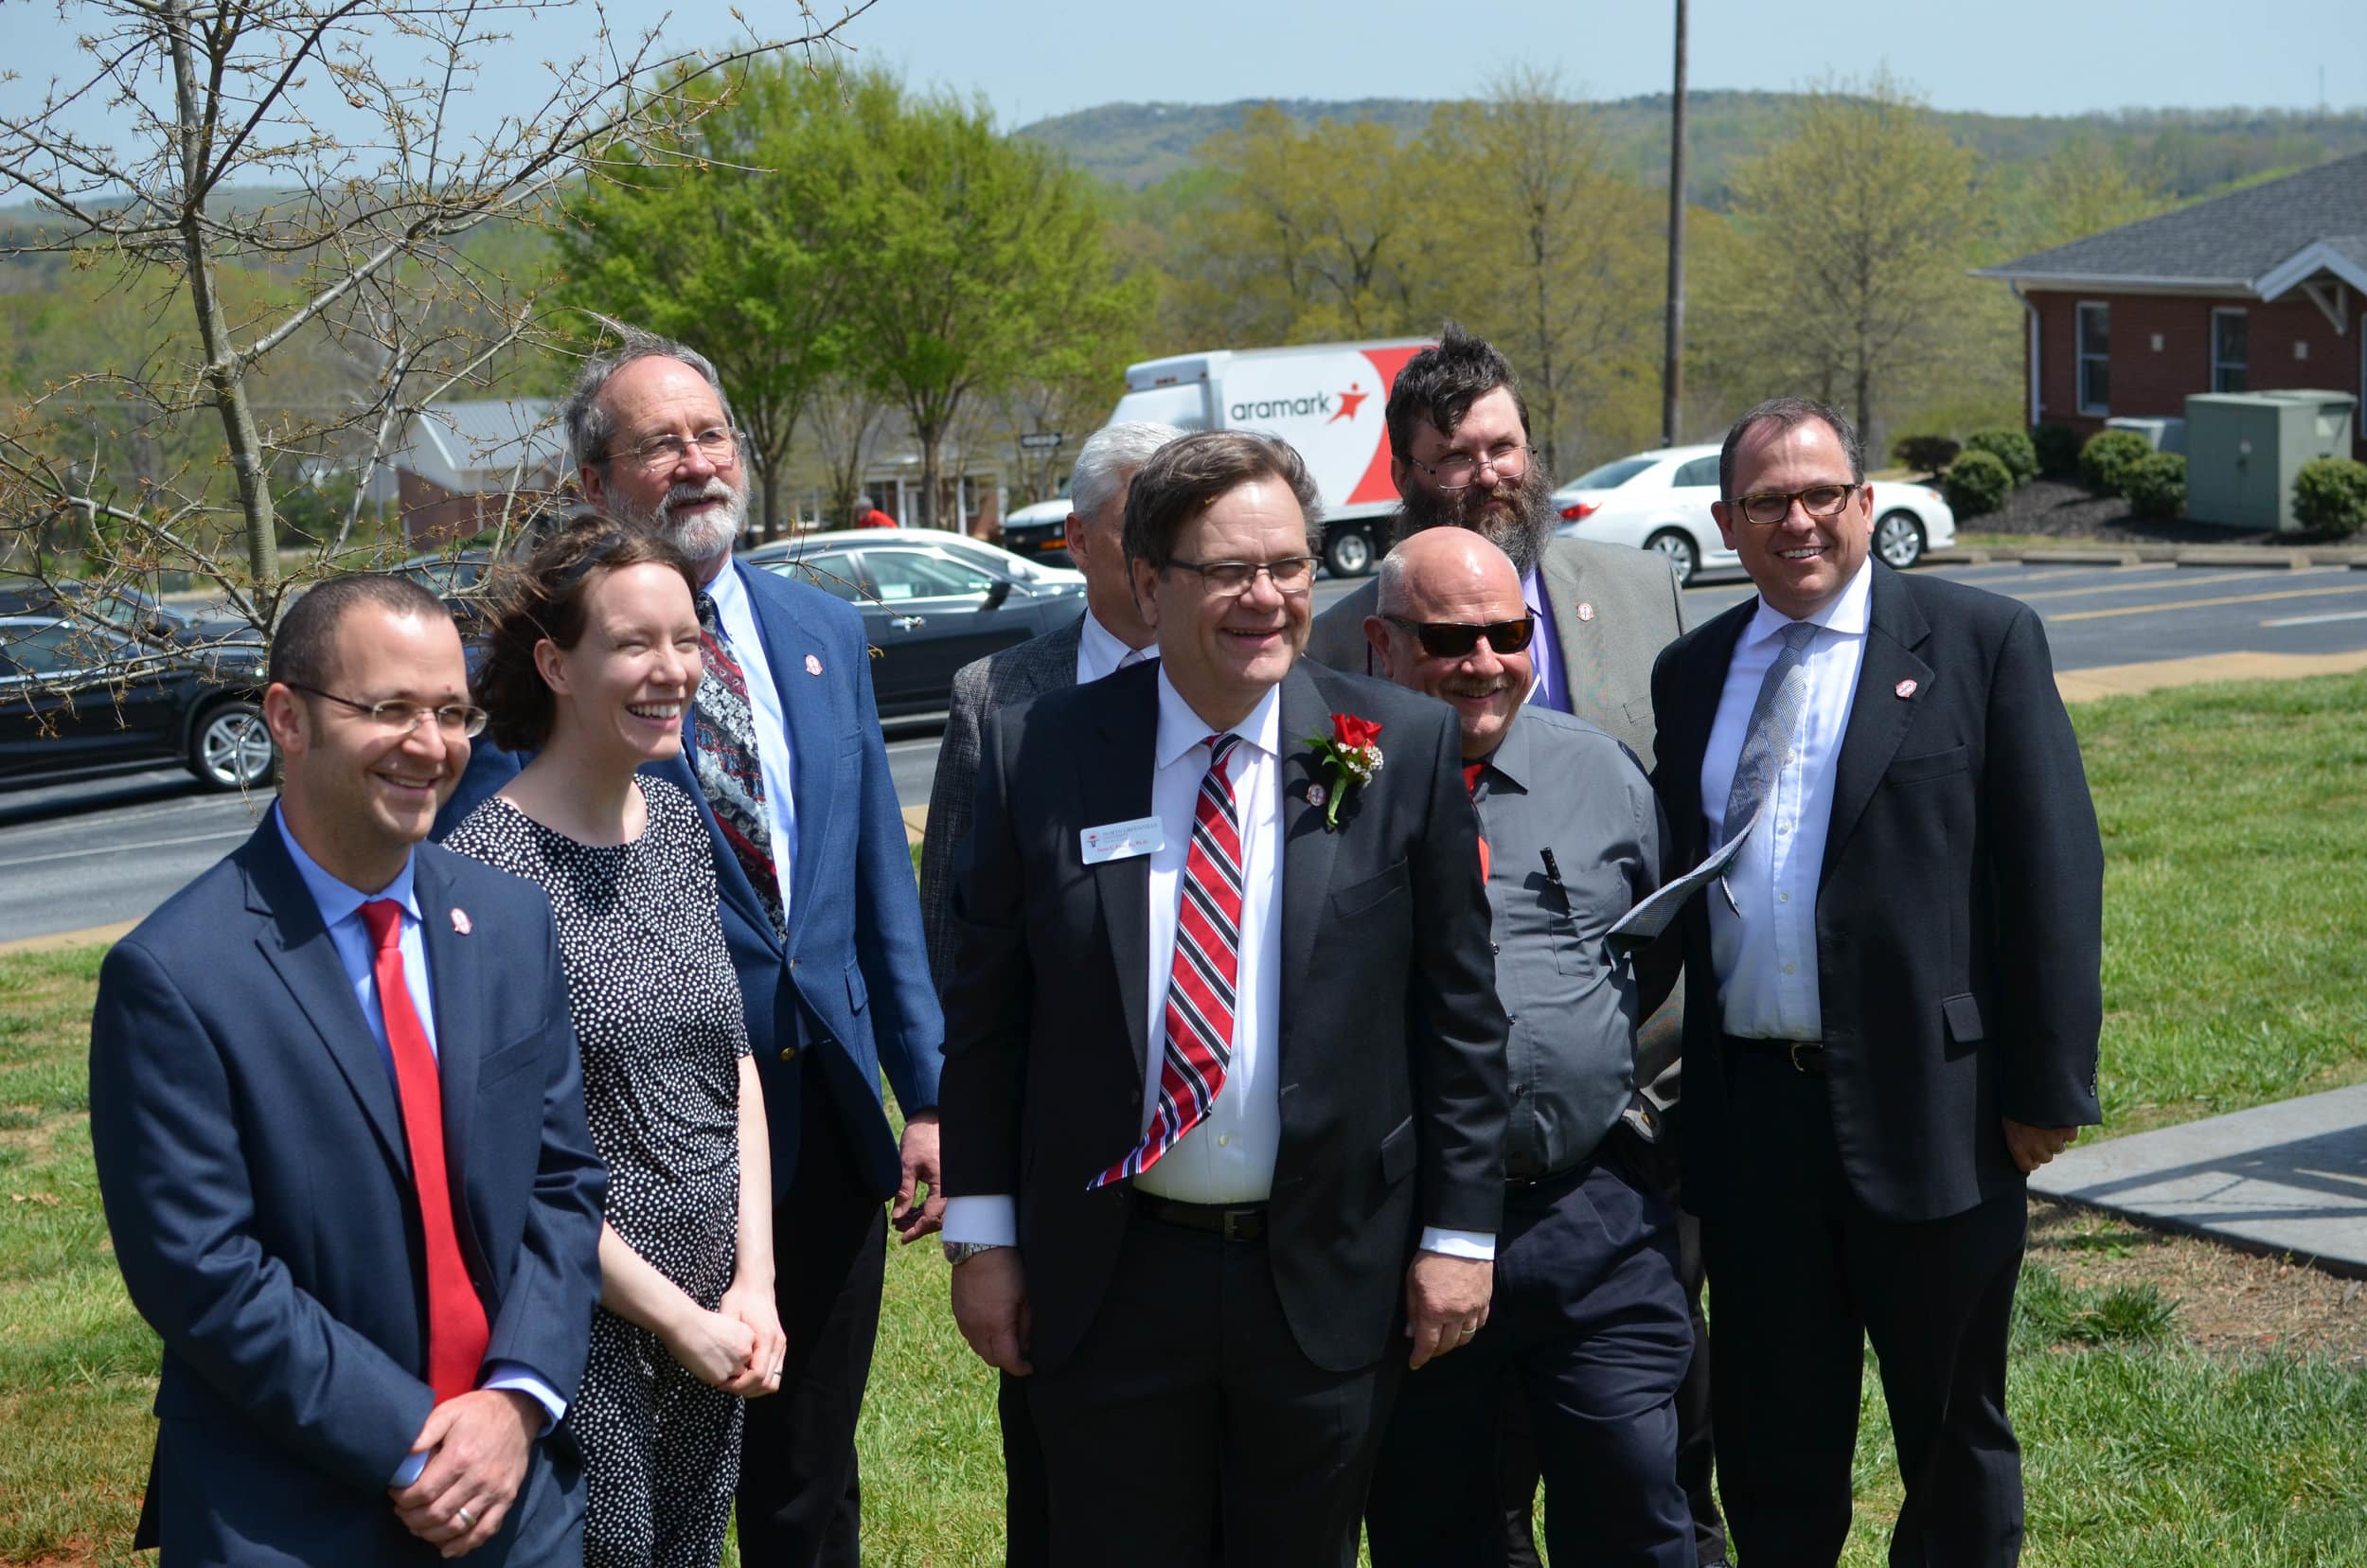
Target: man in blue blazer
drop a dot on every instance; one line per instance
(782, 748)
(338, 1118)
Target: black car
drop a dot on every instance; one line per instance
(123, 607)
(459, 578)
(73, 698)
(929, 609)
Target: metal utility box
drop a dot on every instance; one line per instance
(2244, 448)
(2166, 433)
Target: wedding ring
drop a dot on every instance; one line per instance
(467, 1522)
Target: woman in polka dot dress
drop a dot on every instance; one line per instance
(591, 666)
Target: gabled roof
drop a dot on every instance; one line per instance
(2238, 241)
(490, 435)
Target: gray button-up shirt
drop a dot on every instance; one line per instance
(1561, 784)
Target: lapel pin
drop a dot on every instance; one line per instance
(1904, 689)
(1586, 611)
(813, 666)
(1315, 796)
(460, 920)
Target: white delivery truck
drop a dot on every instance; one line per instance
(1324, 398)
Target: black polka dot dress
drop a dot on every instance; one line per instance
(658, 1016)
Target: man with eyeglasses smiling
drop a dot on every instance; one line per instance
(337, 1111)
(1224, 1094)
(1894, 998)
(1588, 1329)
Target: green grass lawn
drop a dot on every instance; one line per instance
(2235, 971)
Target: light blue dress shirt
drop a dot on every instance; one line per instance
(341, 912)
(777, 757)
(1547, 688)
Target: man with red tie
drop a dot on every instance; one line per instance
(338, 1120)
(1223, 1094)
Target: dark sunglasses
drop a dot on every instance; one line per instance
(1455, 639)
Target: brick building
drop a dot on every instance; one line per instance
(2263, 288)
(461, 463)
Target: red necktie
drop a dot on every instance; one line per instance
(1200, 981)
(1470, 786)
(456, 1332)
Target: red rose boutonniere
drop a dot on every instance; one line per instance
(1350, 757)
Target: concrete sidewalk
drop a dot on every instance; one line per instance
(2285, 1178)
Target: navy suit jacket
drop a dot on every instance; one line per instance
(252, 1159)
(850, 983)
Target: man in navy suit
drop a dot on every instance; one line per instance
(338, 1119)
(782, 747)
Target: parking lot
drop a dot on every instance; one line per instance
(96, 853)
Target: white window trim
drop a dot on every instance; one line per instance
(2080, 356)
(2217, 311)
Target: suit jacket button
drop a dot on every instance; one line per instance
(788, 1053)
(793, 964)
(1136, 1096)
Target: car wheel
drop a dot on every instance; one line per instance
(231, 748)
(1682, 552)
(1348, 553)
(1898, 538)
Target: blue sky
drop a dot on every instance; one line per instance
(1035, 58)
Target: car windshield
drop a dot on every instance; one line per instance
(1612, 475)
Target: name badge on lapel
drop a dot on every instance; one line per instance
(1121, 840)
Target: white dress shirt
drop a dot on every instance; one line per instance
(1765, 953)
(1100, 652)
(775, 757)
(357, 953)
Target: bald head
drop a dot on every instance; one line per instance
(1437, 588)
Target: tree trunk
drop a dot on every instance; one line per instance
(226, 380)
(930, 435)
(1672, 375)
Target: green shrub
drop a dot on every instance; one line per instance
(2156, 485)
(2010, 447)
(1925, 454)
(2058, 446)
(2330, 495)
(2104, 461)
(1976, 483)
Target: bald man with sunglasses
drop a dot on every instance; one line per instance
(1589, 1326)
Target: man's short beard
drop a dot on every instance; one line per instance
(701, 538)
(1522, 536)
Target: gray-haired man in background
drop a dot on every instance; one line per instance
(1110, 635)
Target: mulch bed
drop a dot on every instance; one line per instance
(2058, 509)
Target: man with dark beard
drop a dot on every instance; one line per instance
(783, 751)
(1460, 457)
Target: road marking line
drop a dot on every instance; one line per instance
(2246, 575)
(2318, 620)
(126, 848)
(2195, 604)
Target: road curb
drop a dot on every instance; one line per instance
(57, 941)
(2295, 556)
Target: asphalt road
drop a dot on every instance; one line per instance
(94, 853)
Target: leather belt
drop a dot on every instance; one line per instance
(1233, 1221)
(1806, 1055)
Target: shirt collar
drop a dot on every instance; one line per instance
(1847, 613)
(726, 589)
(339, 902)
(1533, 591)
(1509, 762)
(1103, 648)
(1180, 729)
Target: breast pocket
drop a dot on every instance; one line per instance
(1938, 764)
(1371, 894)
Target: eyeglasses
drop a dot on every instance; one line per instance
(1457, 470)
(1231, 579)
(1455, 639)
(402, 718)
(718, 444)
(1768, 508)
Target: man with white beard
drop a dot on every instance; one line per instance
(782, 747)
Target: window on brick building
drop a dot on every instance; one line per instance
(2095, 358)
(2231, 352)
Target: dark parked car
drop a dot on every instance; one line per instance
(457, 577)
(73, 698)
(929, 608)
(127, 609)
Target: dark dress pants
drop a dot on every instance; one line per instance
(1026, 1499)
(1802, 1274)
(800, 1497)
(1588, 1330)
(1190, 1394)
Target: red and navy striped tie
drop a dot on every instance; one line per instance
(1200, 982)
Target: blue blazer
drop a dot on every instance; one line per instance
(848, 991)
(256, 1182)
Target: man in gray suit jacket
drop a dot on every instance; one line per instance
(1110, 635)
(1461, 458)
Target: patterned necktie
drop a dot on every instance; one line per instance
(456, 1332)
(724, 734)
(1774, 725)
(1131, 657)
(1200, 981)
